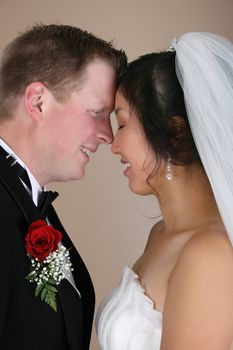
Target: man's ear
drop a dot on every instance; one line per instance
(34, 99)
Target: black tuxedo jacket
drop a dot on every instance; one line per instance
(26, 322)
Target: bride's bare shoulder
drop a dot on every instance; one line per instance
(206, 251)
(209, 240)
(200, 291)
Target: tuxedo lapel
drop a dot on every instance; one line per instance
(72, 311)
(83, 308)
(19, 194)
(70, 300)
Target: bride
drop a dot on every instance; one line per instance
(175, 135)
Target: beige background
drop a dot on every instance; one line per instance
(108, 224)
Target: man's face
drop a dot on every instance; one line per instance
(78, 126)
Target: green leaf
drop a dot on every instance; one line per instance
(51, 288)
(39, 289)
(53, 305)
(51, 281)
(44, 292)
(48, 294)
(50, 299)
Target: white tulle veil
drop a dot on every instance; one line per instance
(204, 66)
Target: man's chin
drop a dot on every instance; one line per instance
(78, 176)
(72, 177)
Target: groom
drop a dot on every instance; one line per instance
(57, 86)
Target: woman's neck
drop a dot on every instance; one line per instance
(187, 201)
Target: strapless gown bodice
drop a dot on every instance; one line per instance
(127, 319)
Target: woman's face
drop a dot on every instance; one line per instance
(130, 143)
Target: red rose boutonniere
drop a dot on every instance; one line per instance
(49, 260)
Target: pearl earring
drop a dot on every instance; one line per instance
(169, 174)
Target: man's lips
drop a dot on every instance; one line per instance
(88, 150)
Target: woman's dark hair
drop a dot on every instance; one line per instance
(151, 87)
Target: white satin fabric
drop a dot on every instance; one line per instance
(127, 320)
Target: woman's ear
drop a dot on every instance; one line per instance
(34, 98)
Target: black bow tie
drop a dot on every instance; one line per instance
(45, 199)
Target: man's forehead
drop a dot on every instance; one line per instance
(98, 66)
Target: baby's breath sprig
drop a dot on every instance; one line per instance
(47, 274)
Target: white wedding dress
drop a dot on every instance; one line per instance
(127, 320)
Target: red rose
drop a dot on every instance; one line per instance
(42, 239)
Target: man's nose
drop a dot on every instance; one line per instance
(105, 133)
